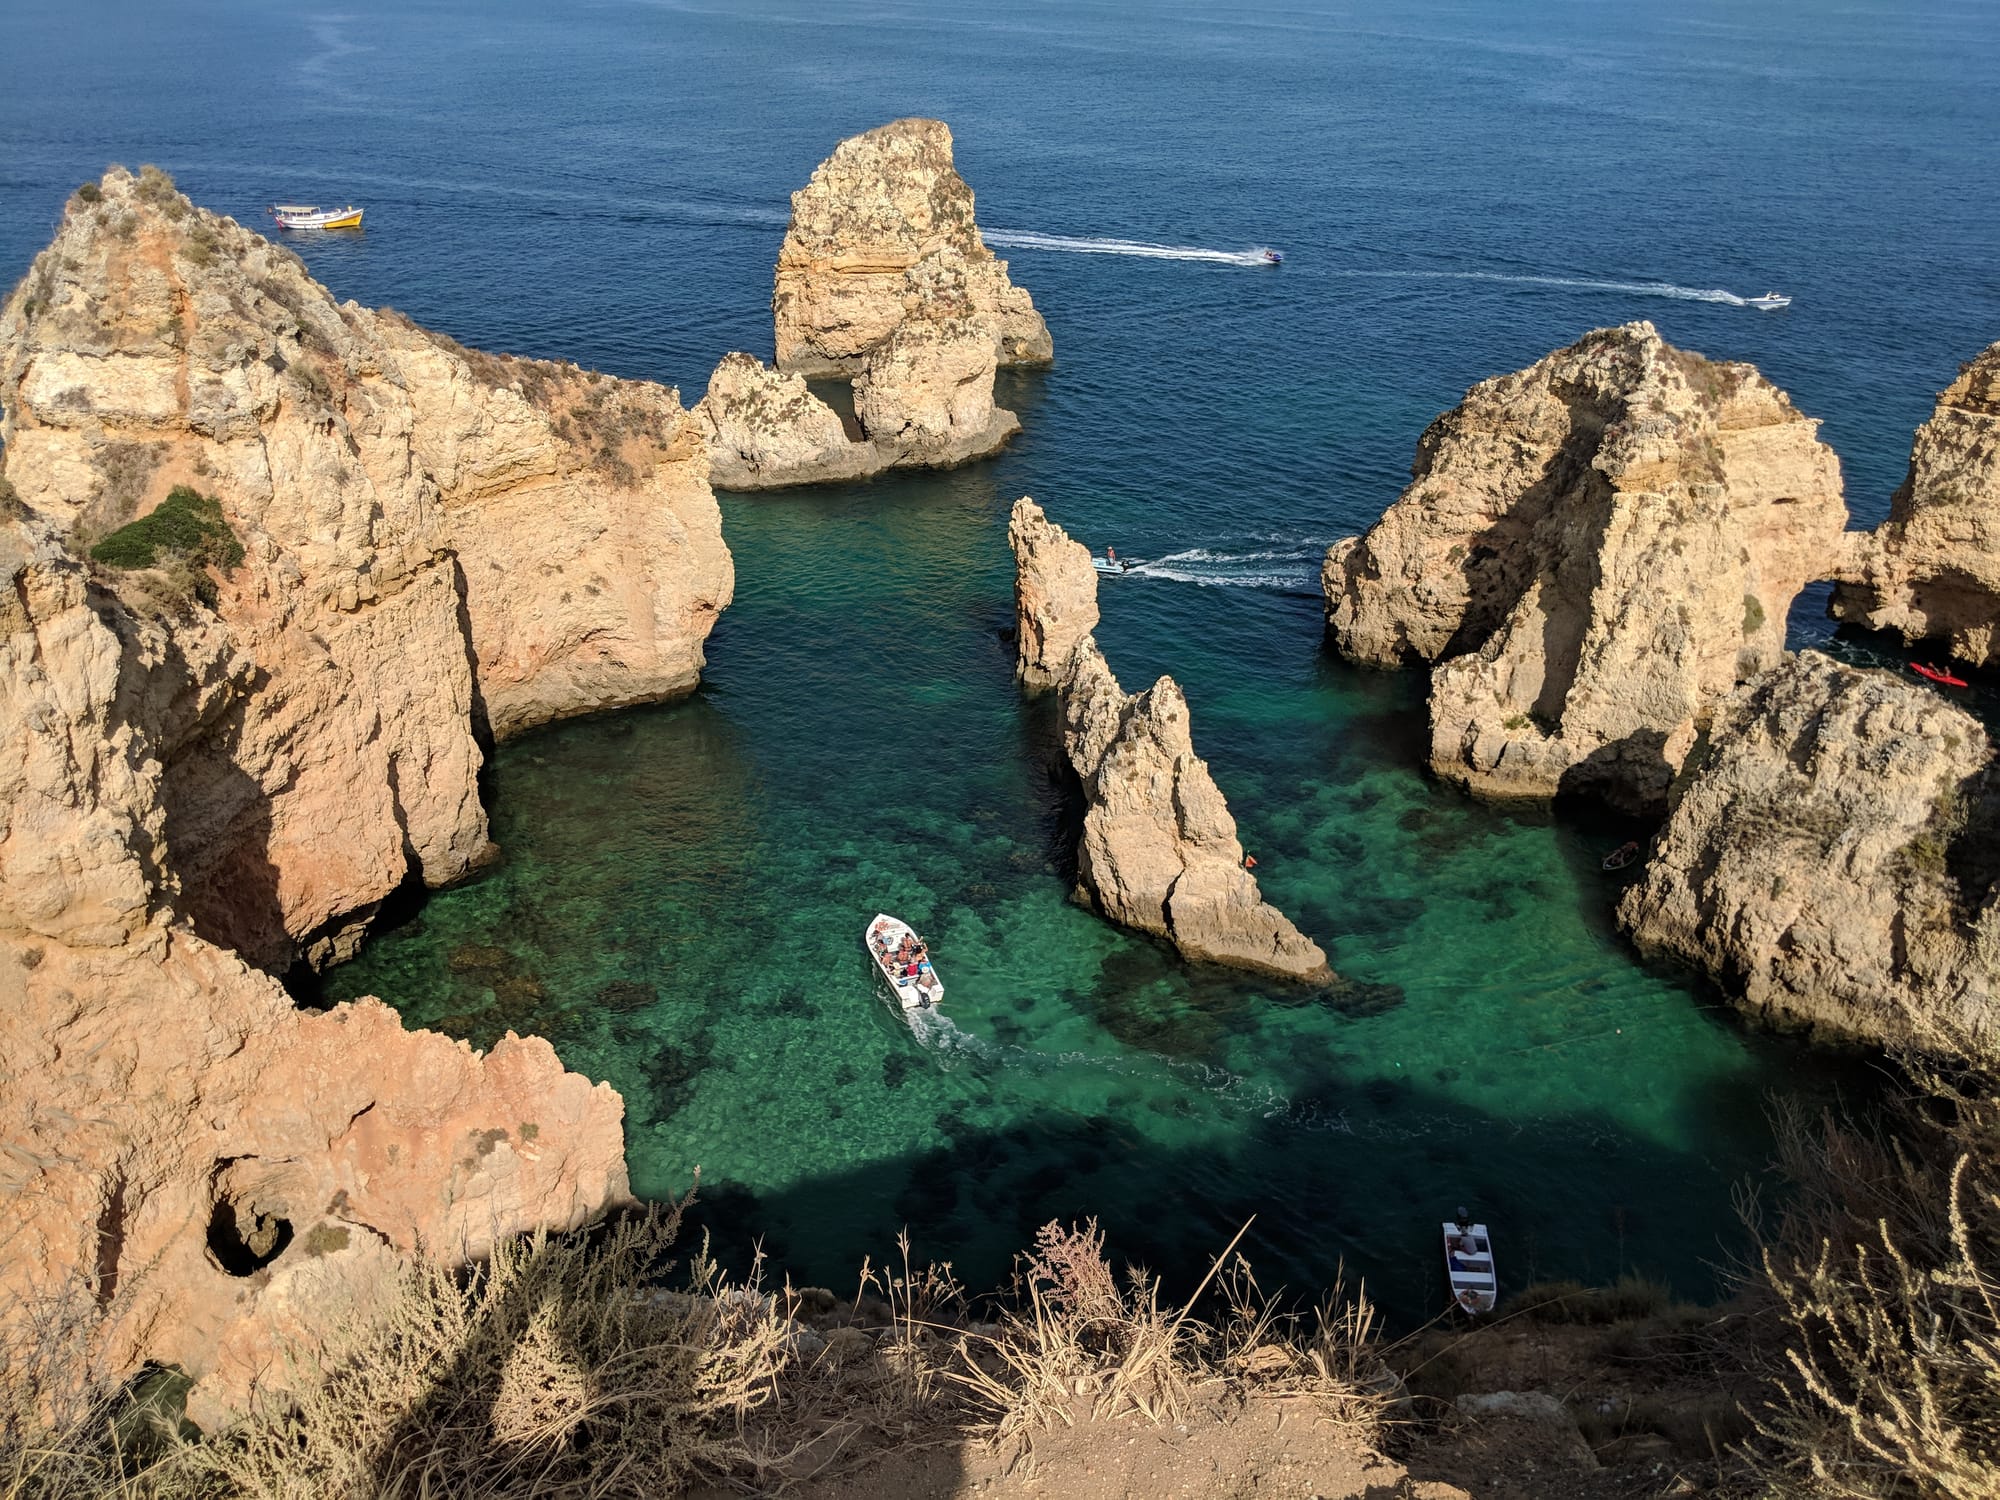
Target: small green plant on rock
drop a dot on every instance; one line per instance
(182, 537)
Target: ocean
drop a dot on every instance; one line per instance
(1458, 188)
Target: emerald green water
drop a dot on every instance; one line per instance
(684, 888)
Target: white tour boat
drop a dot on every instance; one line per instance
(902, 959)
(307, 216)
(1769, 302)
(1468, 1261)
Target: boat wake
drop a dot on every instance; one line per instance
(1022, 239)
(1573, 283)
(1285, 570)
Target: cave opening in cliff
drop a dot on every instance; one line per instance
(243, 1240)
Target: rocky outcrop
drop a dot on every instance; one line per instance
(883, 202)
(764, 430)
(1933, 568)
(1055, 595)
(1159, 851)
(213, 1175)
(433, 539)
(1595, 550)
(1833, 860)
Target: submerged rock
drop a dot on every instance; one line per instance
(1832, 862)
(1933, 568)
(1055, 595)
(1594, 550)
(881, 203)
(1159, 850)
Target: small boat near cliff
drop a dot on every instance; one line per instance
(1468, 1262)
(308, 216)
(1111, 562)
(902, 958)
(1769, 302)
(1941, 678)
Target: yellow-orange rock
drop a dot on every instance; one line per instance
(875, 208)
(1932, 570)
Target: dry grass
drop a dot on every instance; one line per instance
(1886, 1274)
(564, 1367)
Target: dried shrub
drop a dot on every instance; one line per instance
(90, 192)
(154, 186)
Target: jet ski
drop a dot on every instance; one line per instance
(1273, 257)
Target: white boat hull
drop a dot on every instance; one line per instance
(881, 937)
(1468, 1262)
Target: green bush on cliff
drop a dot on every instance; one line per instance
(187, 523)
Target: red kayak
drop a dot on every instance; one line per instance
(1943, 679)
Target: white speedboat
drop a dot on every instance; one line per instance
(901, 957)
(1468, 1261)
(1113, 564)
(1769, 302)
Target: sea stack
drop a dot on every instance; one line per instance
(883, 281)
(849, 271)
(1159, 851)
(275, 567)
(1833, 862)
(1932, 570)
(1594, 551)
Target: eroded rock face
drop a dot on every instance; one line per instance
(1832, 862)
(926, 394)
(1159, 850)
(1594, 550)
(765, 430)
(1933, 568)
(1055, 595)
(877, 206)
(433, 537)
(213, 1169)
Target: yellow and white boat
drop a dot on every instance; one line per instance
(309, 216)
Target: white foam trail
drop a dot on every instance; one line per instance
(1022, 239)
(1209, 568)
(1635, 288)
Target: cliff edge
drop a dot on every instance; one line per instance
(1593, 551)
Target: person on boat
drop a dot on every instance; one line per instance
(1249, 861)
(1111, 554)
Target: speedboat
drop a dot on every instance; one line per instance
(1769, 302)
(1113, 564)
(901, 958)
(307, 216)
(1273, 257)
(1622, 856)
(1468, 1262)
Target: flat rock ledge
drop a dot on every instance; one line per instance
(1593, 551)
(1159, 851)
(1833, 862)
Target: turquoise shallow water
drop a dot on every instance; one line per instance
(1459, 186)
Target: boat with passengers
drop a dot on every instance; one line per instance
(904, 959)
(309, 216)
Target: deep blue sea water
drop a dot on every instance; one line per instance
(1458, 188)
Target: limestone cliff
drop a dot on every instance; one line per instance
(432, 537)
(1594, 550)
(1159, 851)
(1055, 595)
(1833, 861)
(881, 203)
(1933, 568)
(214, 1170)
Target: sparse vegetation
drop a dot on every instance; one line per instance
(90, 192)
(1753, 614)
(12, 507)
(179, 540)
(566, 1366)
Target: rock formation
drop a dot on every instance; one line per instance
(1833, 861)
(1055, 595)
(765, 430)
(1933, 568)
(244, 738)
(1594, 550)
(212, 1169)
(431, 536)
(885, 200)
(1159, 851)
